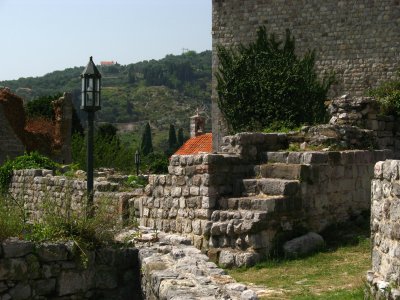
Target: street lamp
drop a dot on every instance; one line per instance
(137, 162)
(91, 85)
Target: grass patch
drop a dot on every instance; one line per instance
(336, 273)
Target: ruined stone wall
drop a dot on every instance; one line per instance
(334, 186)
(359, 40)
(10, 145)
(183, 200)
(233, 205)
(49, 138)
(40, 189)
(55, 271)
(364, 112)
(384, 278)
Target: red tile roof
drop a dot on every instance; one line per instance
(194, 145)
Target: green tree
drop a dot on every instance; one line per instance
(146, 147)
(41, 107)
(107, 131)
(181, 138)
(265, 83)
(172, 142)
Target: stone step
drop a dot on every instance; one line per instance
(284, 171)
(235, 223)
(254, 203)
(270, 186)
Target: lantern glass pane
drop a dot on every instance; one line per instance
(89, 99)
(83, 100)
(90, 84)
(83, 85)
(96, 84)
(97, 99)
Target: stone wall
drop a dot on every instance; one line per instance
(38, 189)
(234, 205)
(359, 40)
(364, 112)
(55, 271)
(183, 200)
(10, 145)
(173, 269)
(17, 133)
(384, 278)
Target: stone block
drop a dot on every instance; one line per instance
(378, 170)
(45, 287)
(208, 202)
(194, 191)
(226, 259)
(196, 226)
(303, 245)
(176, 191)
(14, 247)
(48, 252)
(278, 157)
(391, 169)
(71, 282)
(185, 191)
(21, 291)
(196, 180)
(105, 278)
(194, 202)
(13, 269)
(246, 259)
(314, 158)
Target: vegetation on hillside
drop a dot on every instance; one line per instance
(158, 92)
(264, 84)
(143, 91)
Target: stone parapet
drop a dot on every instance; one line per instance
(39, 189)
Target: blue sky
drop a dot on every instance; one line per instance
(41, 36)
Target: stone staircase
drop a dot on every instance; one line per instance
(244, 226)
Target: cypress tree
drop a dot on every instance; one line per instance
(172, 143)
(146, 146)
(181, 138)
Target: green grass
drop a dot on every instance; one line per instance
(336, 273)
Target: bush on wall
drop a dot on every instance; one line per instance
(388, 96)
(265, 83)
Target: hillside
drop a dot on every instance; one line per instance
(160, 91)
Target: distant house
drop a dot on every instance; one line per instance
(107, 63)
(199, 142)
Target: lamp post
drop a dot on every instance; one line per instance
(91, 85)
(137, 162)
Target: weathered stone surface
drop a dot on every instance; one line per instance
(17, 248)
(52, 252)
(226, 259)
(45, 286)
(71, 282)
(303, 245)
(182, 272)
(21, 291)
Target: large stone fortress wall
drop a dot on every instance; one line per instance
(360, 39)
